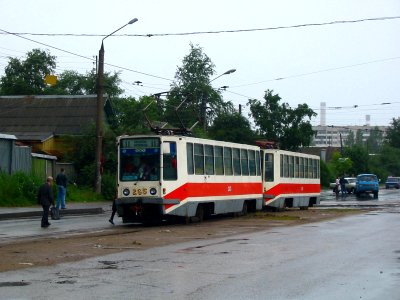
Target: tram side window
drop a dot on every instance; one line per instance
(291, 166)
(189, 153)
(228, 161)
(252, 162)
(269, 167)
(170, 162)
(310, 168)
(258, 171)
(285, 166)
(245, 162)
(209, 159)
(198, 159)
(236, 161)
(219, 160)
(305, 167)
(296, 167)
(301, 168)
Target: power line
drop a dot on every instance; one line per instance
(319, 71)
(215, 31)
(82, 56)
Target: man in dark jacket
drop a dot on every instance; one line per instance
(61, 182)
(45, 198)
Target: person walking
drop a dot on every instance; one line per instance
(45, 198)
(61, 182)
(114, 210)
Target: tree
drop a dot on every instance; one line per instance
(232, 127)
(73, 83)
(340, 165)
(192, 87)
(349, 142)
(280, 123)
(359, 138)
(26, 77)
(393, 133)
(359, 156)
(375, 140)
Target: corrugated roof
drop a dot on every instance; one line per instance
(40, 117)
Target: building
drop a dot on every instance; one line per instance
(336, 136)
(45, 122)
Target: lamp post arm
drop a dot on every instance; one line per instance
(130, 22)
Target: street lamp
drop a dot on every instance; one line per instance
(226, 73)
(100, 107)
(204, 101)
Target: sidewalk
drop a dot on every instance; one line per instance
(73, 208)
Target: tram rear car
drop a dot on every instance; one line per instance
(290, 179)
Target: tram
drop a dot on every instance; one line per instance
(163, 176)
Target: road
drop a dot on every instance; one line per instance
(355, 257)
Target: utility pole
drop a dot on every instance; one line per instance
(100, 110)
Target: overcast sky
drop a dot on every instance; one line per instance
(353, 67)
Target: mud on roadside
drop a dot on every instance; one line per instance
(70, 248)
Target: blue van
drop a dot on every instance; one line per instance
(367, 183)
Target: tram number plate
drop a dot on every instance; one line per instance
(139, 192)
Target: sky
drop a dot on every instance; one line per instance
(354, 67)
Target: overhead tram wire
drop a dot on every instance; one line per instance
(82, 56)
(218, 31)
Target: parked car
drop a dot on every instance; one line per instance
(392, 182)
(367, 183)
(350, 185)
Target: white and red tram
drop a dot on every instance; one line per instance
(169, 175)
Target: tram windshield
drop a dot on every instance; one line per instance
(139, 159)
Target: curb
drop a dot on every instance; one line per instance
(38, 213)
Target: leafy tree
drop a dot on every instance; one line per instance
(280, 123)
(388, 161)
(326, 174)
(192, 88)
(393, 133)
(73, 83)
(375, 140)
(130, 117)
(359, 138)
(340, 165)
(359, 156)
(350, 139)
(26, 77)
(232, 127)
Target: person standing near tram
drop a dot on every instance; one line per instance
(61, 182)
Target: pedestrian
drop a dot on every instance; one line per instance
(114, 210)
(342, 182)
(61, 182)
(337, 185)
(45, 198)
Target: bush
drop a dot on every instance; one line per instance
(81, 194)
(19, 189)
(108, 186)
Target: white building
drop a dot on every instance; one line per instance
(335, 136)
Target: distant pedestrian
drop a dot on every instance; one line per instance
(45, 198)
(114, 210)
(61, 182)
(337, 185)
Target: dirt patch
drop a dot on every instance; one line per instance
(49, 251)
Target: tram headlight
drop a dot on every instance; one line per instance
(126, 192)
(153, 191)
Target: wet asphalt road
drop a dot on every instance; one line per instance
(356, 257)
